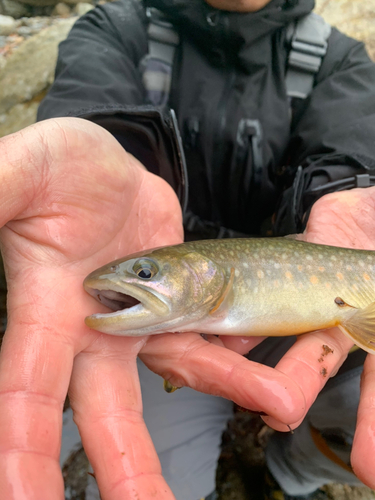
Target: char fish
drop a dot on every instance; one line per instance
(256, 286)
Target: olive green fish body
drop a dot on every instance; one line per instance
(270, 287)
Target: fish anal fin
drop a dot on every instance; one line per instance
(360, 328)
(224, 300)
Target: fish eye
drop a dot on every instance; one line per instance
(145, 269)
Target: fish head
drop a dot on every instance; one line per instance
(155, 291)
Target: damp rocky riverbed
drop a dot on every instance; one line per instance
(28, 48)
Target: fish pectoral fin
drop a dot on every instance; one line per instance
(169, 388)
(360, 328)
(225, 299)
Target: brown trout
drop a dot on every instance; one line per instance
(268, 287)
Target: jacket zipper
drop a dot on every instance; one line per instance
(219, 123)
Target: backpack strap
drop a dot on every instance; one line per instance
(308, 45)
(156, 67)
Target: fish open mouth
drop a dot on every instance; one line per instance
(134, 307)
(116, 301)
(125, 298)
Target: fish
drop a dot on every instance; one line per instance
(245, 287)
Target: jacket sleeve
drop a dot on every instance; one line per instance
(332, 143)
(98, 63)
(98, 78)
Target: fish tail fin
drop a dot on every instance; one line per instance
(360, 328)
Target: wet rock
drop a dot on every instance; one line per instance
(61, 9)
(75, 474)
(82, 8)
(7, 25)
(356, 19)
(19, 116)
(346, 492)
(44, 3)
(29, 70)
(14, 8)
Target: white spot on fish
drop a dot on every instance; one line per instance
(245, 264)
(236, 273)
(309, 257)
(277, 265)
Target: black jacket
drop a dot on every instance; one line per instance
(229, 71)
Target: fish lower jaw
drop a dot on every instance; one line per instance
(118, 322)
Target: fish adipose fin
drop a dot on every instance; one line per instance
(361, 328)
(225, 298)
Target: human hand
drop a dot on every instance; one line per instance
(72, 199)
(345, 219)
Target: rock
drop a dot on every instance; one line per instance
(20, 116)
(14, 8)
(30, 68)
(356, 19)
(346, 492)
(7, 25)
(43, 3)
(61, 9)
(30, 26)
(82, 8)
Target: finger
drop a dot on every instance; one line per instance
(363, 451)
(36, 362)
(311, 361)
(35, 367)
(188, 360)
(106, 399)
(242, 345)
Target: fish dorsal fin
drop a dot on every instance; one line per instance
(225, 298)
(360, 327)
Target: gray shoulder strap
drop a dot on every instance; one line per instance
(308, 45)
(162, 37)
(156, 67)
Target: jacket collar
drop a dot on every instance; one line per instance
(230, 31)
